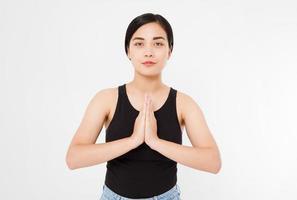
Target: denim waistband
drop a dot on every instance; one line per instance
(174, 191)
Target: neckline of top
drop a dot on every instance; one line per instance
(167, 99)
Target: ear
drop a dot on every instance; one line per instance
(128, 53)
(169, 54)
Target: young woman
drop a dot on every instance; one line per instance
(144, 120)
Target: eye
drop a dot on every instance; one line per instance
(136, 44)
(159, 43)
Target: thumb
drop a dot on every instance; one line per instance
(144, 105)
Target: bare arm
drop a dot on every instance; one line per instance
(84, 155)
(83, 151)
(200, 158)
(204, 155)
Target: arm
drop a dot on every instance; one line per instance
(84, 155)
(83, 151)
(200, 158)
(204, 155)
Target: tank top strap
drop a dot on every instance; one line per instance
(172, 95)
(122, 100)
(121, 97)
(125, 100)
(170, 103)
(121, 90)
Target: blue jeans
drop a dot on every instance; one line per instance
(172, 194)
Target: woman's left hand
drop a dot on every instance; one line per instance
(151, 136)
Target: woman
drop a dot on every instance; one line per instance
(144, 120)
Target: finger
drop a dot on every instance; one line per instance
(151, 109)
(147, 108)
(144, 105)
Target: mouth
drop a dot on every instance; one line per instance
(148, 63)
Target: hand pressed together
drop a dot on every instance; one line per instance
(145, 126)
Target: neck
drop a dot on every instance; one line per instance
(146, 84)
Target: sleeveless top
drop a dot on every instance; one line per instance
(142, 172)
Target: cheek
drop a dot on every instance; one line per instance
(162, 56)
(163, 52)
(136, 54)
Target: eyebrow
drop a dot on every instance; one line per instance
(154, 38)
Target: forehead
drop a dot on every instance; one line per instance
(149, 31)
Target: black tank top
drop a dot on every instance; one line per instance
(142, 172)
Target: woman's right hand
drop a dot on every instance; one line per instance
(138, 134)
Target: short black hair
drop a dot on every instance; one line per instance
(144, 19)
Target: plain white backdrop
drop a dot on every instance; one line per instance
(237, 59)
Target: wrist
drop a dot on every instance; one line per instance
(154, 143)
(134, 143)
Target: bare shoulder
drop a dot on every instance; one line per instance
(183, 97)
(186, 105)
(108, 97)
(185, 101)
(105, 97)
(106, 92)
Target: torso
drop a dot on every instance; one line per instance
(137, 102)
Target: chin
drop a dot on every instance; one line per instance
(149, 73)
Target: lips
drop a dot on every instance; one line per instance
(149, 63)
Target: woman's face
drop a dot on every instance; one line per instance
(149, 43)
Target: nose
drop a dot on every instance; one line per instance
(148, 52)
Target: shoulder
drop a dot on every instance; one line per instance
(185, 98)
(106, 93)
(104, 98)
(186, 103)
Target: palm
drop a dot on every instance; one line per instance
(150, 123)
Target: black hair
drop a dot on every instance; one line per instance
(144, 19)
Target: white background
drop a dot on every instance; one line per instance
(237, 59)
